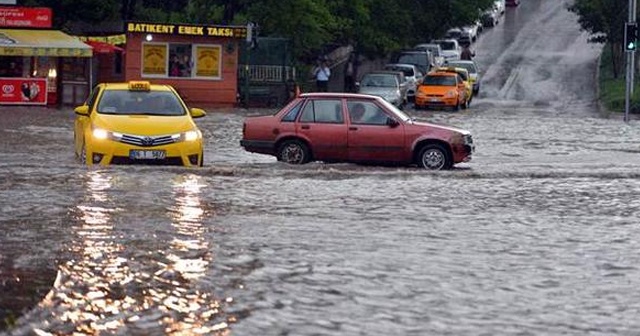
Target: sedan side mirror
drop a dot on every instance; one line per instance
(392, 122)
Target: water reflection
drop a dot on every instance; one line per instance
(124, 282)
(86, 291)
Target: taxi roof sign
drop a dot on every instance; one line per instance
(139, 86)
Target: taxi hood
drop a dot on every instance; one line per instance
(144, 124)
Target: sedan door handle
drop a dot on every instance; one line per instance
(305, 127)
(353, 128)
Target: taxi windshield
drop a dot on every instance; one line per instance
(125, 102)
(440, 80)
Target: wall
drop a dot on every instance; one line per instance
(202, 92)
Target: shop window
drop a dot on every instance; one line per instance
(180, 62)
(11, 67)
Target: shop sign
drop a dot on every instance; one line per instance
(23, 91)
(187, 30)
(154, 59)
(208, 61)
(27, 17)
(52, 52)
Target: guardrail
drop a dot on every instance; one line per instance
(267, 73)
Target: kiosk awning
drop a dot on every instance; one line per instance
(52, 43)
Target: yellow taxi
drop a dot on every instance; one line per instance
(464, 73)
(441, 89)
(137, 122)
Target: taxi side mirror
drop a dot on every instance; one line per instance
(197, 113)
(82, 110)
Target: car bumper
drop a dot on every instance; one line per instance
(436, 101)
(105, 152)
(257, 146)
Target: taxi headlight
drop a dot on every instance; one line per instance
(99, 133)
(102, 134)
(451, 94)
(187, 136)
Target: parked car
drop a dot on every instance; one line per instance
(471, 31)
(441, 89)
(490, 18)
(499, 5)
(412, 74)
(423, 59)
(474, 74)
(137, 122)
(450, 48)
(435, 50)
(464, 75)
(389, 85)
(347, 127)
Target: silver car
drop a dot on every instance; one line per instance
(412, 74)
(390, 85)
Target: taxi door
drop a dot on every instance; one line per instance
(83, 122)
(371, 137)
(323, 124)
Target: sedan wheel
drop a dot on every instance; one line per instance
(434, 157)
(294, 152)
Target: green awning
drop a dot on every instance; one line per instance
(52, 43)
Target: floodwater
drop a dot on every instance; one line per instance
(537, 235)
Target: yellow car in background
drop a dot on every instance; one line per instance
(472, 68)
(464, 74)
(441, 89)
(137, 122)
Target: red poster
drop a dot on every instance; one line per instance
(23, 91)
(31, 17)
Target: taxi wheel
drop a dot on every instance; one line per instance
(294, 152)
(83, 154)
(434, 157)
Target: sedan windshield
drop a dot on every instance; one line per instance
(163, 103)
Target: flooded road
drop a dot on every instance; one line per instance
(538, 234)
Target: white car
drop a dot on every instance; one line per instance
(500, 6)
(412, 74)
(474, 73)
(471, 31)
(435, 50)
(450, 49)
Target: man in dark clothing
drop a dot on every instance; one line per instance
(466, 53)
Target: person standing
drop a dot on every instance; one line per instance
(322, 73)
(349, 75)
(466, 53)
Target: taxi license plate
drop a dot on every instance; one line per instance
(435, 99)
(147, 154)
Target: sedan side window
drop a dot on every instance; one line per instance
(366, 113)
(292, 114)
(323, 111)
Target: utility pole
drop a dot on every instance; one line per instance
(630, 40)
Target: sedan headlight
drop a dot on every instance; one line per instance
(192, 135)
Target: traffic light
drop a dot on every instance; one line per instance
(630, 36)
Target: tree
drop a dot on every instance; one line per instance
(604, 20)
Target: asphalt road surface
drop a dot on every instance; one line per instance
(535, 236)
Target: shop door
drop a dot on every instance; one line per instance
(75, 80)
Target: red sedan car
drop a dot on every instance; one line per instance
(345, 127)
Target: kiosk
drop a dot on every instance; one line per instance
(200, 61)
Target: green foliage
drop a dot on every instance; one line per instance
(613, 88)
(375, 27)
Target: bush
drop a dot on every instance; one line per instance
(612, 90)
